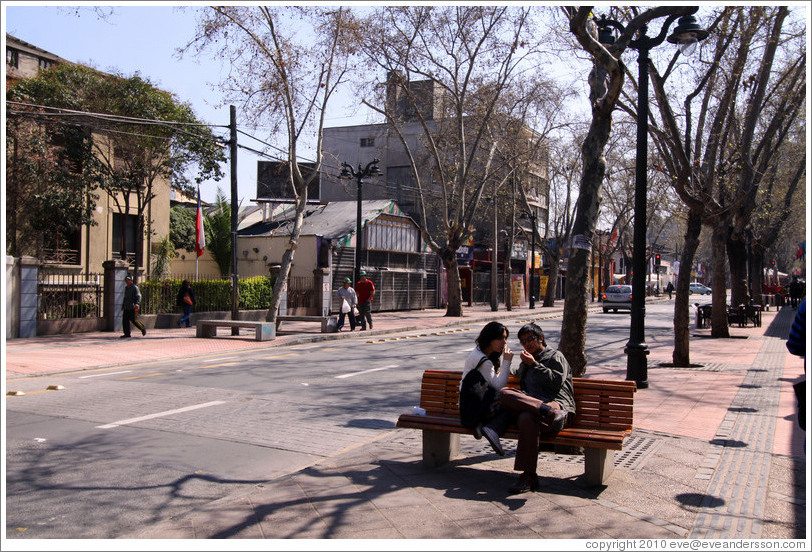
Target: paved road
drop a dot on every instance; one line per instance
(265, 414)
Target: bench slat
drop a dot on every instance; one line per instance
(594, 438)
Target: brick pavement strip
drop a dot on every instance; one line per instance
(734, 505)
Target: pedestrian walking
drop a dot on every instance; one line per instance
(349, 302)
(185, 300)
(130, 305)
(365, 290)
(669, 289)
(796, 292)
(796, 344)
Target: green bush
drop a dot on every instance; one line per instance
(210, 295)
(255, 293)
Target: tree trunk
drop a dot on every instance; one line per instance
(287, 261)
(576, 300)
(719, 327)
(737, 257)
(454, 306)
(757, 273)
(682, 310)
(552, 282)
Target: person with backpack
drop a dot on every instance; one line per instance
(483, 375)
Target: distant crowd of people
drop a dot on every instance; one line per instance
(795, 292)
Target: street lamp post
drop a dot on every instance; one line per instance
(532, 216)
(348, 173)
(687, 34)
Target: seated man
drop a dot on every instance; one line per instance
(543, 404)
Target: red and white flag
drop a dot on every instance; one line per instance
(200, 234)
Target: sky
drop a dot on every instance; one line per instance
(144, 38)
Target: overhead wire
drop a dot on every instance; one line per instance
(127, 120)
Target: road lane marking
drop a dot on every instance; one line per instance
(280, 356)
(342, 376)
(159, 414)
(106, 374)
(139, 377)
(218, 365)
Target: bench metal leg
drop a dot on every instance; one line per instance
(439, 447)
(598, 464)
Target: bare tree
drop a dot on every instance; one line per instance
(606, 83)
(719, 159)
(468, 57)
(285, 65)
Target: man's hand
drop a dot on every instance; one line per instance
(527, 358)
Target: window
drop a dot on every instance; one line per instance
(124, 231)
(367, 142)
(12, 58)
(45, 63)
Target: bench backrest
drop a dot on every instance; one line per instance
(599, 403)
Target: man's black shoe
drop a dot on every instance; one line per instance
(477, 431)
(493, 439)
(144, 331)
(526, 482)
(557, 419)
(123, 337)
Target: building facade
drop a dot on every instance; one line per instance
(113, 234)
(360, 144)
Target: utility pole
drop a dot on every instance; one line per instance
(235, 297)
(509, 250)
(495, 260)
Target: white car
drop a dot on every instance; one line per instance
(617, 297)
(699, 289)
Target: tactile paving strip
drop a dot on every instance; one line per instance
(634, 453)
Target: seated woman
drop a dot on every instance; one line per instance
(482, 377)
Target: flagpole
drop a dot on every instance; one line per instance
(200, 233)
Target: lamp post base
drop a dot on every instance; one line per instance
(636, 364)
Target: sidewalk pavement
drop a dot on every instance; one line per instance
(716, 452)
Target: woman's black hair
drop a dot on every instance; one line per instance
(491, 331)
(534, 329)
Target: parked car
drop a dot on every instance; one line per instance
(617, 297)
(699, 289)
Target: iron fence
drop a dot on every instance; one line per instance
(300, 292)
(69, 295)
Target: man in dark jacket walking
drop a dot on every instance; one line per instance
(130, 306)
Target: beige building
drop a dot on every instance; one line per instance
(114, 234)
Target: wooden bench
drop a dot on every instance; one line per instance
(603, 420)
(324, 320)
(265, 331)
